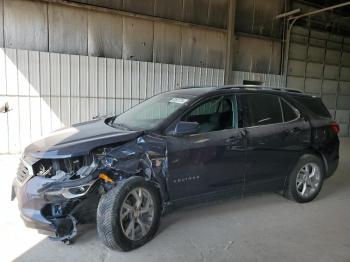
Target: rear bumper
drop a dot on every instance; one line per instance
(332, 167)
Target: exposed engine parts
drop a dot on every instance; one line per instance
(73, 186)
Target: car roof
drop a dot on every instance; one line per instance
(194, 90)
(208, 90)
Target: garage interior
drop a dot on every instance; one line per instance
(64, 62)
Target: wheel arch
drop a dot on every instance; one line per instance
(310, 151)
(318, 154)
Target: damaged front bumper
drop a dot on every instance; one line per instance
(54, 195)
(53, 209)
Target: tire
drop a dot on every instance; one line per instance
(114, 216)
(297, 179)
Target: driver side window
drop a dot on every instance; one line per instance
(213, 115)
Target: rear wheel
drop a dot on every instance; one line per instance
(128, 216)
(306, 179)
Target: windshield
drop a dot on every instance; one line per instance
(152, 112)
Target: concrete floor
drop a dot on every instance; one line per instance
(264, 227)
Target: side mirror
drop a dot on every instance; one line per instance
(186, 128)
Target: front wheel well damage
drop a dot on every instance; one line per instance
(145, 158)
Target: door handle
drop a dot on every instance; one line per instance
(293, 131)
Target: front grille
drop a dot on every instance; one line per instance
(24, 172)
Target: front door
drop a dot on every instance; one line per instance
(212, 160)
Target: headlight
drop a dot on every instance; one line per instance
(71, 192)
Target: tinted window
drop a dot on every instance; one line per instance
(315, 105)
(262, 109)
(213, 115)
(288, 112)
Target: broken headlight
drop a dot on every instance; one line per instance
(71, 192)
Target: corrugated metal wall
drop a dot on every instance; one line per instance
(265, 79)
(319, 64)
(257, 44)
(49, 27)
(202, 12)
(46, 91)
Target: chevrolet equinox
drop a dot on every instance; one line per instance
(185, 146)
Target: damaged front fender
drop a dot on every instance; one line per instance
(145, 156)
(65, 192)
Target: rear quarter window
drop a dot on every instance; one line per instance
(315, 105)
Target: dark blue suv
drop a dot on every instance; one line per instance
(185, 146)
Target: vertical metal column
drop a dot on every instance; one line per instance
(230, 41)
(339, 73)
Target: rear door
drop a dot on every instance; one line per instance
(275, 138)
(211, 160)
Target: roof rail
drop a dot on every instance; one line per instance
(262, 87)
(287, 90)
(281, 89)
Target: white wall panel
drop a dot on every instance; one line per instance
(44, 72)
(35, 121)
(34, 72)
(184, 76)
(2, 72)
(143, 80)
(3, 99)
(11, 72)
(135, 81)
(111, 86)
(102, 86)
(191, 75)
(74, 89)
(55, 91)
(13, 125)
(47, 91)
(157, 78)
(210, 73)
(164, 77)
(150, 79)
(92, 74)
(127, 85)
(171, 77)
(83, 88)
(23, 73)
(178, 74)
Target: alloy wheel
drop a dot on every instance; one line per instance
(137, 214)
(308, 179)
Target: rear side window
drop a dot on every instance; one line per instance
(289, 113)
(315, 105)
(262, 109)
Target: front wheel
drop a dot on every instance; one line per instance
(128, 216)
(306, 179)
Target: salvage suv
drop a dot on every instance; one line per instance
(185, 146)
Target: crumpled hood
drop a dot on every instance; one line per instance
(78, 140)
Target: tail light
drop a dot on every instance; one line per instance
(335, 127)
